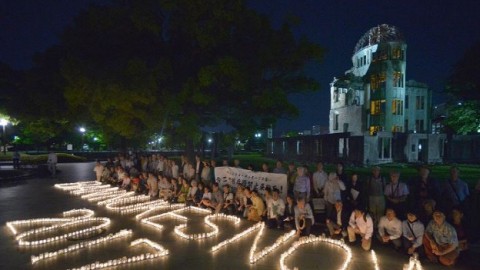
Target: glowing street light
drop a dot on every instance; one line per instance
(4, 122)
(82, 130)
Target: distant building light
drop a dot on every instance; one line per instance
(459, 103)
(419, 147)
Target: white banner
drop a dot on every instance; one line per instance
(254, 180)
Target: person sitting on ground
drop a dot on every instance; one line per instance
(390, 229)
(265, 167)
(362, 224)
(164, 186)
(142, 186)
(216, 201)
(135, 183)
(304, 218)
(425, 213)
(175, 190)
(289, 214)
(257, 208)
(199, 194)
(239, 199)
(440, 240)
(192, 191)
(275, 210)
(247, 201)
(413, 231)
(337, 222)
(228, 202)
(126, 182)
(457, 223)
(206, 198)
(106, 174)
(183, 192)
(152, 185)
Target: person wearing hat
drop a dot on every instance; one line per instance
(440, 240)
(362, 224)
(412, 230)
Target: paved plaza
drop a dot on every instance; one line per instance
(38, 198)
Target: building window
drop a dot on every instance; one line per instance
(336, 95)
(406, 125)
(335, 122)
(420, 103)
(398, 79)
(397, 129)
(397, 53)
(284, 147)
(373, 130)
(376, 80)
(419, 123)
(406, 101)
(376, 107)
(397, 107)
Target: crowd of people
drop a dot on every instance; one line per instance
(419, 216)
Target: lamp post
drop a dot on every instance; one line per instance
(82, 130)
(4, 123)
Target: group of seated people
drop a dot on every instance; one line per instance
(353, 208)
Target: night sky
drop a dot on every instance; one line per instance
(437, 34)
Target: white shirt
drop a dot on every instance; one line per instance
(175, 171)
(332, 190)
(319, 180)
(52, 158)
(364, 226)
(160, 165)
(275, 208)
(391, 228)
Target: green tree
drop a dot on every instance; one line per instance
(138, 67)
(464, 85)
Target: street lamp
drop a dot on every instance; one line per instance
(4, 123)
(82, 130)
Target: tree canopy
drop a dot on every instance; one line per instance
(137, 68)
(464, 87)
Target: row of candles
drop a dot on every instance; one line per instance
(311, 239)
(160, 252)
(118, 200)
(82, 245)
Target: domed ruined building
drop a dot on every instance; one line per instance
(374, 100)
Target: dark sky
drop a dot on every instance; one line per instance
(437, 34)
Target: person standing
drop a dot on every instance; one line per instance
(319, 179)
(98, 169)
(301, 188)
(455, 191)
(16, 160)
(333, 188)
(52, 163)
(376, 197)
(396, 193)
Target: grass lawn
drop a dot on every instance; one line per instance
(42, 159)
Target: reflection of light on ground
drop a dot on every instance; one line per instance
(150, 212)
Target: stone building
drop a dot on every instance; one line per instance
(376, 115)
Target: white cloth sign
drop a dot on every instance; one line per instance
(255, 180)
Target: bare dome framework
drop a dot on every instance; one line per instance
(378, 34)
